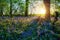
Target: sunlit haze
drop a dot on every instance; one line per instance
(38, 8)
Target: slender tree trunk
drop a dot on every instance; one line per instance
(47, 6)
(1, 11)
(26, 9)
(11, 8)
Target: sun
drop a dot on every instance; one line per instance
(39, 9)
(42, 11)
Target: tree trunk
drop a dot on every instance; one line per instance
(1, 11)
(26, 9)
(11, 8)
(47, 6)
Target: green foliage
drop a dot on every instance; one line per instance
(3, 3)
(57, 27)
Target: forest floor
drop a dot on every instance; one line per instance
(27, 28)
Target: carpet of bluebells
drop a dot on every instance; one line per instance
(28, 28)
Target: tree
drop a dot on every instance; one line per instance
(11, 8)
(1, 11)
(26, 9)
(47, 6)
